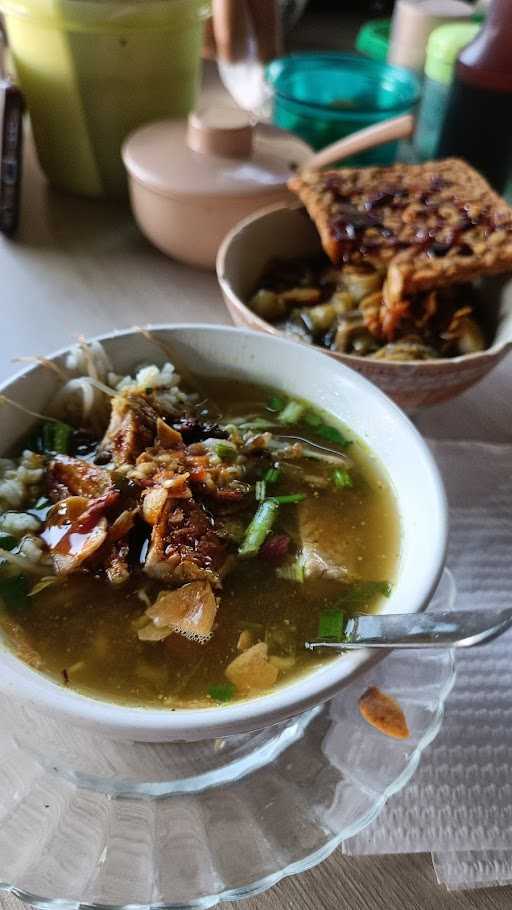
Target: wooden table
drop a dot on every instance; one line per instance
(82, 267)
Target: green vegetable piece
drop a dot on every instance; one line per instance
(260, 490)
(222, 692)
(361, 593)
(41, 508)
(226, 451)
(287, 499)
(43, 503)
(312, 419)
(292, 413)
(258, 529)
(56, 437)
(272, 475)
(342, 478)
(325, 430)
(332, 435)
(7, 542)
(293, 571)
(47, 437)
(14, 591)
(331, 624)
(62, 433)
(276, 403)
(257, 423)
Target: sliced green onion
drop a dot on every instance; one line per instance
(272, 475)
(361, 593)
(222, 691)
(260, 490)
(325, 430)
(332, 435)
(257, 423)
(47, 436)
(258, 529)
(292, 413)
(331, 624)
(312, 419)
(276, 403)
(13, 591)
(226, 451)
(292, 571)
(43, 503)
(8, 542)
(41, 508)
(61, 438)
(342, 478)
(289, 498)
(56, 437)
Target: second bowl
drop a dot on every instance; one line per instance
(282, 232)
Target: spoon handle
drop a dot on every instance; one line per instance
(388, 130)
(453, 629)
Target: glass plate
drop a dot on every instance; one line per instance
(92, 822)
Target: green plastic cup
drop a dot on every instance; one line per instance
(93, 70)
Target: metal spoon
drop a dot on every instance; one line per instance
(454, 629)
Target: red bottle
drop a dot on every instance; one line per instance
(478, 120)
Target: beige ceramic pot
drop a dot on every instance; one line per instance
(191, 181)
(287, 232)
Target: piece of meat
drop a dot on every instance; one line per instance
(94, 511)
(252, 670)
(184, 545)
(73, 549)
(154, 499)
(76, 529)
(67, 476)
(131, 429)
(325, 552)
(167, 438)
(123, 524)
(116, 564)
(189, 611)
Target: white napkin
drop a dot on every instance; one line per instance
(459, 803)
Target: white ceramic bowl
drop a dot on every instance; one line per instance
(287, 232)
(297, 370)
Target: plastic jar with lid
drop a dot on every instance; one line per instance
(93, 70)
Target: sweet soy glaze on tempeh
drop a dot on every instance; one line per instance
(182, 556)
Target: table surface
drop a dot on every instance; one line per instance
(81, 267)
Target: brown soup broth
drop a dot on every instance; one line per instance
(85, 630)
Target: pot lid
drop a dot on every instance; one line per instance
(216, 151)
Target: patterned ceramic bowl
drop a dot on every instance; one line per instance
(285, 232)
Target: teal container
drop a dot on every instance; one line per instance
(324, 97)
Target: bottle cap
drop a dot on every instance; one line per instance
(444, 45)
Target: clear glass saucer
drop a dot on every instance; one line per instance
(86, 821)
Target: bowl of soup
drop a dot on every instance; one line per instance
(182, 509)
